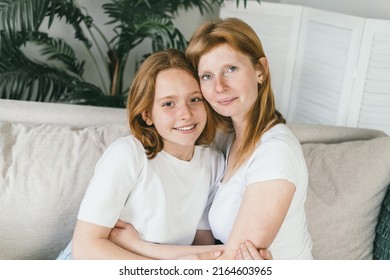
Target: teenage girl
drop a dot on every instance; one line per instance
(161, 177)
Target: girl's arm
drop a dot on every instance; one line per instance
(248, 251)
(262, 212)
(90, 241)
(127, 237)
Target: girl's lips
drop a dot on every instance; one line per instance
(186, 128)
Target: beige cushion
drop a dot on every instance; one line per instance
(44, 171)
(347, 183)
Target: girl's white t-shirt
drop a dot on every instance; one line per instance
(165, 199)
(278, 156)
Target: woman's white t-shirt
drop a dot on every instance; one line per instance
(278, 155)
(164, 198)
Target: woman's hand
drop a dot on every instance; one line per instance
(124, 235)
(248, 251)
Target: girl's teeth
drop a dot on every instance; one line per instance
(185, 128)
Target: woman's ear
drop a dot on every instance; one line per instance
(262, 72)
(147, 118)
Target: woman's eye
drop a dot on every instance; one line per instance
(206, 77)
(231, 69)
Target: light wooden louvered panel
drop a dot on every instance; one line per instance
(370, 107)
(323, 76)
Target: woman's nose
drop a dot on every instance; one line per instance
(220, 84)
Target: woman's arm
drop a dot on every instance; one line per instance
(262, 212)
(90, 241)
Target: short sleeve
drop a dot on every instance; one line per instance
(273, 160)
(115, 175)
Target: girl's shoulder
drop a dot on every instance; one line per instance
(127, 146)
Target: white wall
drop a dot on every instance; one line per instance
(379, 9)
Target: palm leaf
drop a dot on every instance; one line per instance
(23, 16)
(202, 5)
(161, 31)
(137, 20)
(26, 16)
(73, 15)
(59, 50)
(21, 78)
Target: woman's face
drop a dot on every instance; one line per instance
(229, 81)
(178, 112)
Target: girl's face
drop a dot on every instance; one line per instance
(178, 112)
(229, 81)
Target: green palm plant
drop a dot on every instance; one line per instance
(58, 75)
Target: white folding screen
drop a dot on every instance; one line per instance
(326, 67)
(370, 104)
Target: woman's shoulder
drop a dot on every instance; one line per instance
(280, 133)
(279, 140)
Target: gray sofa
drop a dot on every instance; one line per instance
(48, 153)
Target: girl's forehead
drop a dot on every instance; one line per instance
(173, 81)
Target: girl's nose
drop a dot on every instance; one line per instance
(185, 112)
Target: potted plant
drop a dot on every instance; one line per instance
(59, 75)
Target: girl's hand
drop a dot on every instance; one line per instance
(124, 235)
(248, 251)
(211, 255)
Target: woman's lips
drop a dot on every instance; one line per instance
(226, 101)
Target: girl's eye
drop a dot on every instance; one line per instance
(168, 104)
(196, 99)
